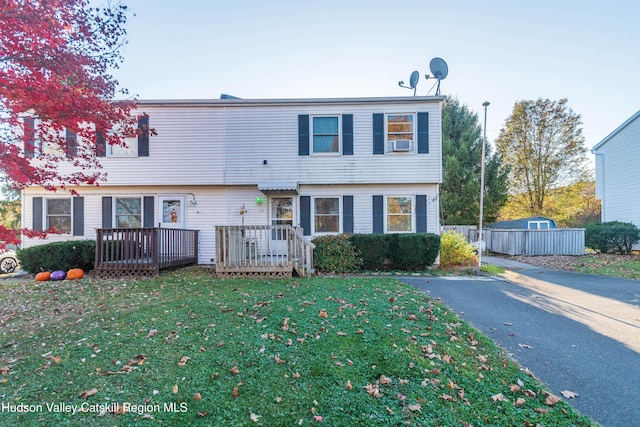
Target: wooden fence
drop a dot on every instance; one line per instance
(262, 250)
(143, 252)
(555, 241)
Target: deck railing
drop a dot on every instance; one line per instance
(272, 250)
(143, 251)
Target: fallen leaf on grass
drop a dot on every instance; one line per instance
(197, 396)
(318, 418)
(348, 385)
(278, 360)
(175, 389)
(541, 410)
(499, 398)
(415, 408)
(519, 401)
(234, 370)
(152, 332)
(4, 370)
(183, 360)
(254, 417)
(322, 314)
(88, 393)
(385, 380)
(236, 392)
(569, 394)
(552, 400)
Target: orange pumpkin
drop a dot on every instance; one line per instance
(43, 276)
(75, 273)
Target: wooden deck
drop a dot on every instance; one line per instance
(262, 250)
(143, 252)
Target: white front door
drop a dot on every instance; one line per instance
(172, 212)
(282, 212)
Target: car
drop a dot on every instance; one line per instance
(8, 262)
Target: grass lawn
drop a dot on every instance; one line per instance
(188, 349)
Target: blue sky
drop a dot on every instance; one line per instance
(499, 51)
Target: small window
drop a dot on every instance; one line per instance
(59, 214)
(128, 213)
(400, 132)
(399, 214)
(128, 149)
(326, 135)
(326, 214)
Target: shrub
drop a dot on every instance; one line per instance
(372, 249)
(456, 251)
(335, 254)
(413, 252)
(58, 256)
(613, 236)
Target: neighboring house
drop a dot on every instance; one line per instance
(531, 223)
(355, 165)
(617, 180)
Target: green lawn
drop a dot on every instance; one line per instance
(188, 349)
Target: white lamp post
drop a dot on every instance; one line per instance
(485, 104)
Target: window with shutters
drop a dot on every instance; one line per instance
(58, 214)
(326, 214)
(400, 132)
(399, 214)
(133, 146)
(128, 212)
(326, 135)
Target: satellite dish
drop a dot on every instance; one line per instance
(439, 70)
(413, 82)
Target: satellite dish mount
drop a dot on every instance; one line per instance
(413, 82)
(439, 71)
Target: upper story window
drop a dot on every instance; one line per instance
(326, 134)
(128, 212)
(400, 132)
(399, 214)
(326, 214)
(135, 146)
(58, 214)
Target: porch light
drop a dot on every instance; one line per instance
(259, 201)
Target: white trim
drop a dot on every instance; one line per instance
(389, 143)
(386, 213)
(312, 134)
(313, 215)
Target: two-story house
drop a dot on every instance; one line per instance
(336, 165)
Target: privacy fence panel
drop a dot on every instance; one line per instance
(558, 241)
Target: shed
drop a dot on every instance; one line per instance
(531, 223)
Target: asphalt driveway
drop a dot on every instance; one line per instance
(575, 332)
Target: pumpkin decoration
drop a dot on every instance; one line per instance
(58, 275)
(43, 276)
(75, 273)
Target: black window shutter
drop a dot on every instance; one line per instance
(347, 214)
(71, 141)
(423, 133)
(378, 133)
(303, 135)
(101, 144)
(78, 216)
(143, 136)
(378, 215)
(347, 134)
(107, 212)
(149, 203)
(37, 214)
(421, 213)
(305, 215)
(29, 137)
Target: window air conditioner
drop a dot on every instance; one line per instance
(402, 145)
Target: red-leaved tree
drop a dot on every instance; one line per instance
(56, 92)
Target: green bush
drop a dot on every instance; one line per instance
(613, 236)
(411, 252)
(335, 254)
(456, 251)
(372, 249)
(58, 256)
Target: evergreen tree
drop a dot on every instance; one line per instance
(461, 155)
